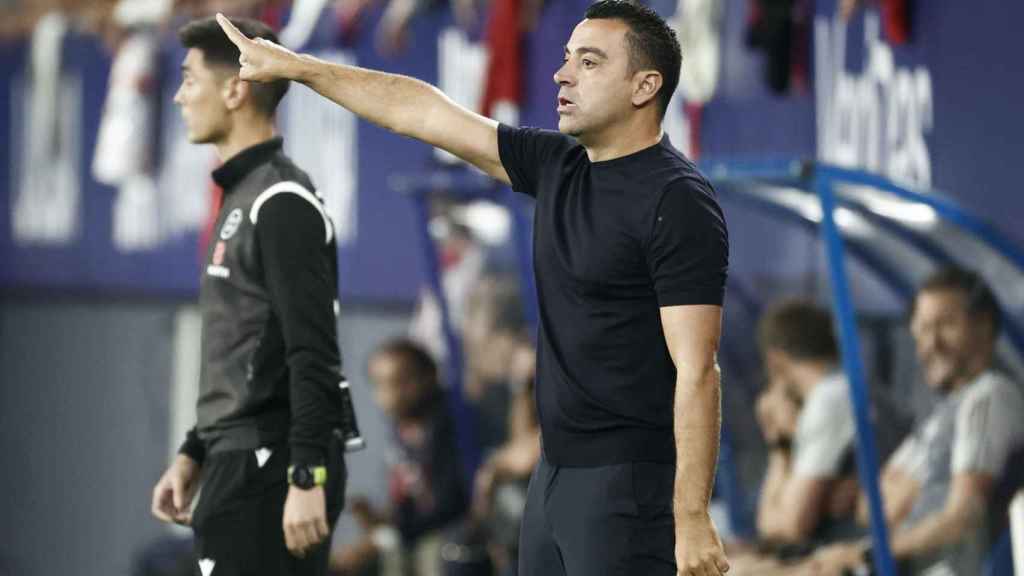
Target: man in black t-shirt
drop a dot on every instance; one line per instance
(630, 255)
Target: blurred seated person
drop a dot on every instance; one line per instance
(499, 495)
(810, 457)
(809, 493)
(426, 484)
(938, 487)
(499, 355)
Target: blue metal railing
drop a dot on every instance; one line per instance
(842, 305)
(944, 207)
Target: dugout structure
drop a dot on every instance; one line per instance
(896, 233)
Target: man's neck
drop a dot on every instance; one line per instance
(970, 375)
(622, 139)
(245, 135)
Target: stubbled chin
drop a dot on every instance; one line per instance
(566, 126)
(196, 138)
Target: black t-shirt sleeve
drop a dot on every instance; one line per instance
(291, 233)
(688, 253)
(525, 152)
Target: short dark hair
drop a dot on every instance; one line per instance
(652, 42)
(799, 328)
(207, 36)
(978, 297)
(414, 358)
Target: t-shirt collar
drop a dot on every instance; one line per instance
(635, 156)
(982, 376)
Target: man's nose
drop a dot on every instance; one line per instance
(563, 76)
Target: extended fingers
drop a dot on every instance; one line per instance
(234, 34)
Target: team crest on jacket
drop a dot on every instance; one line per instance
(231, 224)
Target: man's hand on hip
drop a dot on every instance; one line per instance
(699, 550)
(305, 519)
(172, 495)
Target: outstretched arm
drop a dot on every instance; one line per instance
(399, 103)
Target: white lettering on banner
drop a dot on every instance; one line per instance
(876, 120)
(46, 169)
(462, 72)
(321, 138)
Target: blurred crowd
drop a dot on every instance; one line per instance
(439, 522)
(777, 28)
(112, 20)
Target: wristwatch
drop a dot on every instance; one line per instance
(306, 477)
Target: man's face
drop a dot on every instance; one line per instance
(595, 87)
(949, 341)
(778, 407)
(393, 389)
(201, 98)
(779, 369)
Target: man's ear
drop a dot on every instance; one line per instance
(235, 92)
(646, 84)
